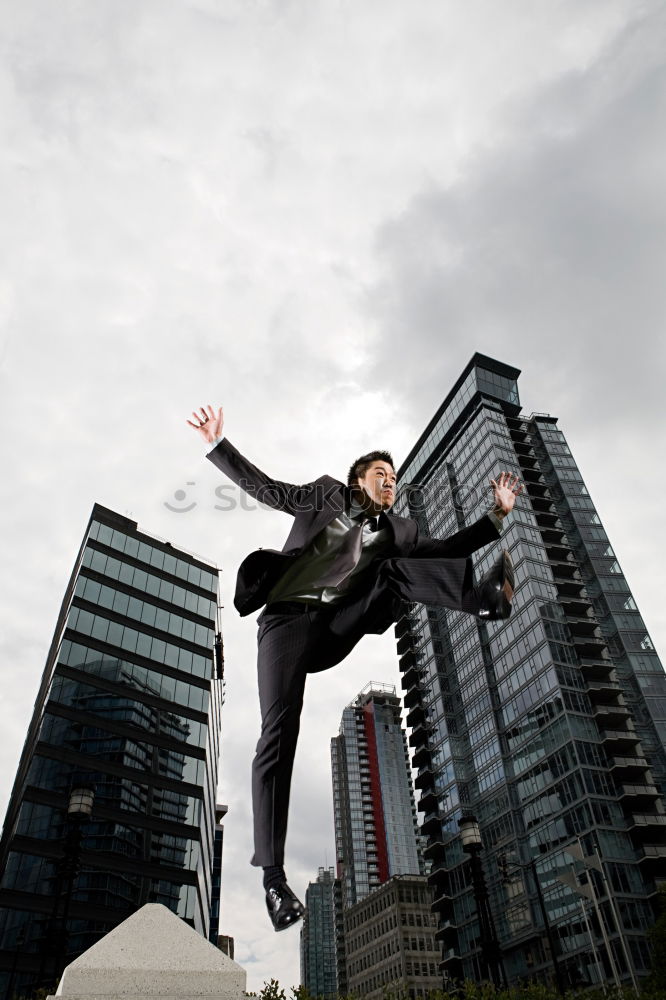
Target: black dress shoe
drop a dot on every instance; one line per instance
(283, 907)
(496, 590)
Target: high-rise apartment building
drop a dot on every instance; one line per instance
(376, 833)
(547, 727)
(323, 971)
(128, 714)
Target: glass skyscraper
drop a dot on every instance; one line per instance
(547, 727)
(376, 832)
(129, 710)
(323, 971)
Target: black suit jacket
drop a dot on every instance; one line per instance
(313, 506)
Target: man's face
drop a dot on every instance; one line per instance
(378, 484)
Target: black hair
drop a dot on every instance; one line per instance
(362, 464)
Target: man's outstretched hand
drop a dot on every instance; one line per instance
(505, 489)
(209, 424)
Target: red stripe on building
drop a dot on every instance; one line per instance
(376, 792)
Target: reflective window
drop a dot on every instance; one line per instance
(134, 641)
(143, 611)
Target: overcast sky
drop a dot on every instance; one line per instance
(313, 213)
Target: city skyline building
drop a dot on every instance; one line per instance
(216, 879)
(376, 831)
(126, 723)
(547, 727)
(323, 970)
(390, 941)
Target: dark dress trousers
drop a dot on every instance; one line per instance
(300, 638)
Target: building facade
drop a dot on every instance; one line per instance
(376, 831)
(547, 727)
(128, 711)
(390, 941)
(323, 971)
(216, 878)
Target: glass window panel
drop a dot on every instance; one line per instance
(115, 634)
(143, 645)
(120, 602)
(162, 620)
(158, 650)
(100, 627)
(132, 546)
(105, 534)
(134, 608)
(185, 659)
(202, 635)
(118, 540)
(149, 614)
(157, 558)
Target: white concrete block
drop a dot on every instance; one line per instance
(153, 954)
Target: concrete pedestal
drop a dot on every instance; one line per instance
(153, 954)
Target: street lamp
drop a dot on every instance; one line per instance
(470, 835)
(79, 811)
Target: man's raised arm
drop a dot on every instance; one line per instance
(272, 492)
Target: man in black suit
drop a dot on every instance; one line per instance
(347, 566)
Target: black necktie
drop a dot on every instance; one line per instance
(348, 554)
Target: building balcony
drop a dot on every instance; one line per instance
(611, 715)
(416, 716)
(596, 668)
(619, 737)
(652, 855)
(406, 664)
(531, 473)
(406, 643)
(570, 587)
(446, 930)
(559, 553)
(651, 825)
(541, 503)
(428, 801)
(435, 851)
(604, 690)
(589, 646)
(405, 626)
(431, 825)
(622, 765)
(421, 758)
(553, 534)
(563, 568)
(412, 694)
(442, 903)
(634, 792)
(425, 777)
(584, 625)
(576, 606)
(547, 519)
(420, 734)
(449, 956)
